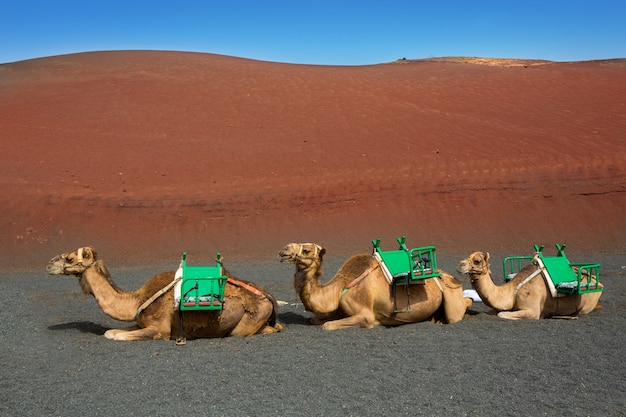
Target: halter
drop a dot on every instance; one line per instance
(486, 269)
(318, 249)
(475, 274)
(80, 259)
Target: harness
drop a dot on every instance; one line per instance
(169, 286)
(358, 279)
(155, 296)
(246, 286)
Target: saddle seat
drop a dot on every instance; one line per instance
(202, 287)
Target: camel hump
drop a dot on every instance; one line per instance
(354, 266)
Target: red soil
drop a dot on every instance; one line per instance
(146, 154)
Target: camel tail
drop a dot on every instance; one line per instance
(273, 319)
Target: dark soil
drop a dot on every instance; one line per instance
(56, 362)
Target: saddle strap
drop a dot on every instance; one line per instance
(243, 285)
(528, 278)
(359, 278)
(155, 296)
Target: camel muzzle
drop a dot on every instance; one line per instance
(55, 266)
(283, 257)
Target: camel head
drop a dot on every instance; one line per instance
(72, 263)
(302, 255)
(475, 264)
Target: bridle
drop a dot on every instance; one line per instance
(299, 256)
(79, 262)
(474, 273)
(79, 255)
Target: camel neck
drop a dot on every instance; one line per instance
(499, 297)
(317, 298)
(113, 302)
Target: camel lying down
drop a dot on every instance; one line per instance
(521, 298)
(246, 312)
(359, 295)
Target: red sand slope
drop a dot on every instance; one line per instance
(146, 154)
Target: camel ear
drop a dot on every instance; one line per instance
(322, 252)
(89, 253)
(486, 255)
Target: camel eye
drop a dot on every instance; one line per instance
(476, 261)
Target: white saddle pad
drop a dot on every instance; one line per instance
(473, 295)
(179, 274)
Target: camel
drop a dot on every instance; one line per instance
(248, 309)
(359, 295)
(521, 298)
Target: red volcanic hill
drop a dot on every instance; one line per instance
(146, 154)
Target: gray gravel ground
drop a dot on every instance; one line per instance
(55, 361)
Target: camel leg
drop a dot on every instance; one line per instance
(319, 319)
(589, 302)
(526, 314)
(455, 308)
(247, 326)
(454, 304)
(135, 333)
(362, 321)
(255, 323)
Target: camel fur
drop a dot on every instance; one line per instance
(530, 301)
(369, 302)
(244, 313)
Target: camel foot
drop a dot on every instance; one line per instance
(352, 321)
(110, 334)
(518, 315)
(272, 329)
(135, 333)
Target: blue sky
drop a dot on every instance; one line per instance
(327, 32)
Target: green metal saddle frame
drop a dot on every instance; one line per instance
(405, 265)
(562, 276)
(202, 287)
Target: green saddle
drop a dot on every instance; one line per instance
(202, 287)
(407, 265)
